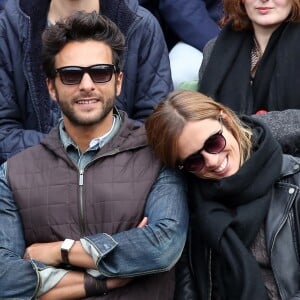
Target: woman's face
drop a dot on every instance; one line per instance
(216, 166)
(267, 13)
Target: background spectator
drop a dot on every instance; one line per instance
(2, 2)
(188, 26)
(254, 64)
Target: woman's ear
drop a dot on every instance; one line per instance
(221, 115)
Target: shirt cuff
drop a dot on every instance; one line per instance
(98, 246)
(49, 278)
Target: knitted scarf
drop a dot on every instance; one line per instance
(228, 214)
(276, 85)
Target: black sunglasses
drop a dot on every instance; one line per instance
(195, 162)
(99, 73)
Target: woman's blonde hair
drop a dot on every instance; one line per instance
(166, 123)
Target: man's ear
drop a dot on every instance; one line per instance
(119, 82)
(51, 88)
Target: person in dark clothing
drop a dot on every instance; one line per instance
(26, 110)
(252, 66)
(89, 211)
(244, 200)
(188, 26)
(194, 22)
(2, 2)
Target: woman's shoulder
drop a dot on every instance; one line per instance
(290, 167)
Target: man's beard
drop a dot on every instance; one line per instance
(77, 120)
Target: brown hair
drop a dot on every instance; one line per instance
(81, 26)
(235, 12)
(166, 123)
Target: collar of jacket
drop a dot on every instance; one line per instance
(290, 165)
(131, 135)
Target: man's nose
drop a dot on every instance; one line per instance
(86, 82)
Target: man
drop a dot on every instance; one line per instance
(80, 197)
(26, 109)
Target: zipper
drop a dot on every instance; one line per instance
(81, 209)
(81, 204)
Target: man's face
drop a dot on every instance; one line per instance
(85, 103)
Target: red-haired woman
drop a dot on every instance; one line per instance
(254, 64)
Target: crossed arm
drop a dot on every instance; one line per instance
(71, 286)
(148, 249)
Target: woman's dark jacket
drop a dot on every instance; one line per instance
(282, 228)
(26, 110)
(225, 71)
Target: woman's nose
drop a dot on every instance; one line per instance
(210, 160)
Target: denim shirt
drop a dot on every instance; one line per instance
(162, 240)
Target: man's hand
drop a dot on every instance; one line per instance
(50, 254)
(71, 286)
(47, 253)
(143, 223)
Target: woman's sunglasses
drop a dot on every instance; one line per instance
(99, 73)
(195, 162)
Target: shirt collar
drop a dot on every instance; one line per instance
(94, 143)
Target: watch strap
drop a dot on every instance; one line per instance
(65, 249)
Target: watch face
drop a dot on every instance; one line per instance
(67, 244)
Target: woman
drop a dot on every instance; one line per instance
(254, 64)
(245, 220)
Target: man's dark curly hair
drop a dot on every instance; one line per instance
(81, 26)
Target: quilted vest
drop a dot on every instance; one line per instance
(58, 201)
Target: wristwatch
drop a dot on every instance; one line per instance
(65, 249)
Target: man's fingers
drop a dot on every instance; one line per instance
(143, 223)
